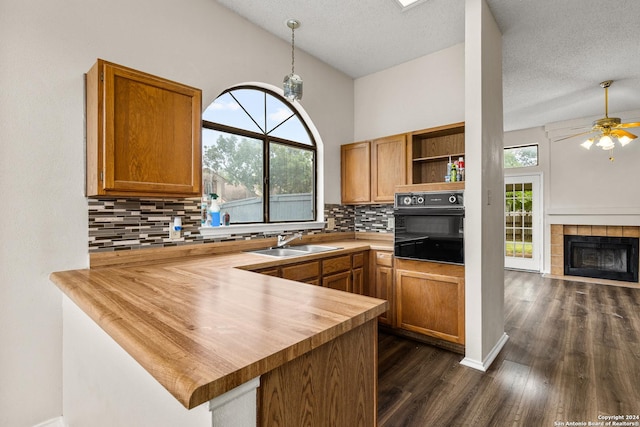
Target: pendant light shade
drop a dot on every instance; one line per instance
(292, 84)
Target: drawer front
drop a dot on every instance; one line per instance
(301, 272)
(334, 265)
(270, 272)
(384, 258)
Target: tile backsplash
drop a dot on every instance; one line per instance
(126, 224)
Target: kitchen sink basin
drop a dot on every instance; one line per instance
(313, 248)
(290, 251)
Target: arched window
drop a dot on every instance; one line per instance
(259, 157)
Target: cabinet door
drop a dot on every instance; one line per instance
(388, 167)
(143, 134)
(431, 304)
(339, 281)
(357, 285)
(355, 170)
(384, 290)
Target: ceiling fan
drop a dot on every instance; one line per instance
(607, 129)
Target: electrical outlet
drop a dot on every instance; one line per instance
(391, 223)
(174, 234)
(331, 223)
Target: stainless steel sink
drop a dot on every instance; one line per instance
(314, 248)
(298, 250)
(279, 252)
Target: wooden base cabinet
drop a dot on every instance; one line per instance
(382, 283)
(344, 272)
(332, 385)
(430, 304)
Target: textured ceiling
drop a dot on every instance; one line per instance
(555, 52)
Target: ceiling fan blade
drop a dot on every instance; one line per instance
(629, 125)
(620, 133)
(577, 134)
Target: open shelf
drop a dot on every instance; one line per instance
(431, 149)
(454, 156)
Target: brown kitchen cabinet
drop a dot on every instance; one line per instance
(339, 281)
(143, 134)
(343, 272)
(307, 272)
(430, 150)
(381, 282)
(388, 167)
(355, 167)
(370, 170)
(357, 272)
(430, 303)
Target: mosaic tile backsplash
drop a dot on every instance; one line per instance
(125, 224)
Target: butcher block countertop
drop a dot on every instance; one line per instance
(202, 325)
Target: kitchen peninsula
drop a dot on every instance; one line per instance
(203, 326)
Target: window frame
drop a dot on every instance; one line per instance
(267, 140)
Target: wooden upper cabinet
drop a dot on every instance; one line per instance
(143, 134)
(388, 167)
(355, 166)
(372, 169)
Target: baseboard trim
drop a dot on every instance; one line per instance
(486, 363)
(53, 422)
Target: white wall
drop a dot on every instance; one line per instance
(419, 94)
(587, 188)
(46, 47)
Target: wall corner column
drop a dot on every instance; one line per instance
(484, 188)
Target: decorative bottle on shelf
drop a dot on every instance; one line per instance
(454, 174)
(214, 211)
(461, 169)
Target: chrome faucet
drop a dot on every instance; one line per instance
(283, 240)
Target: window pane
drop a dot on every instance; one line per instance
(519, 157)
(291, 186)
(225, 110)
(292, 128)
(252, 101)
(232, 168)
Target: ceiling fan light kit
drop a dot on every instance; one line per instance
(608, 130)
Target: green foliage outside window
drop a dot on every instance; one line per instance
(519, 157)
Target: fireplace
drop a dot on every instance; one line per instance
(614, 258)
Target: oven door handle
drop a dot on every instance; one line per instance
(455, 211)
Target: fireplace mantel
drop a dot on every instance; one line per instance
(594, 216)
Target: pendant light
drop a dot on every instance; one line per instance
(292, 82)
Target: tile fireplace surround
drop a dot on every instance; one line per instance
(558, 231)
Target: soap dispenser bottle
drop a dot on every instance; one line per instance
(214, 211)
(204, 210)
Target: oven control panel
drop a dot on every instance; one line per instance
(435, 199)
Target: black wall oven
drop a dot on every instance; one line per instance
(429, 226)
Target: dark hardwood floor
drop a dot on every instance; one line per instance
(573, 355)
